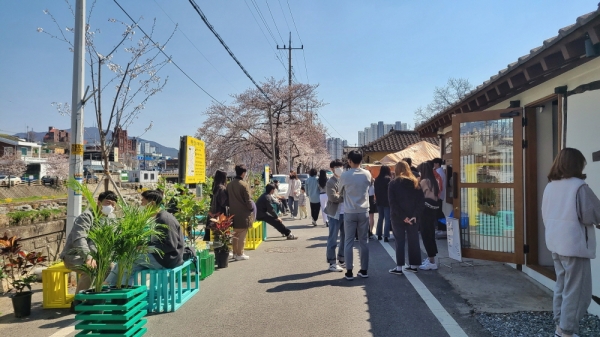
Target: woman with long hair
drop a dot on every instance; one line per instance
(372, 208)
(381, 185)
(293, 193)
(570, 210)
(428, 222)
(218, 200)
(406, 205)
(323, 195)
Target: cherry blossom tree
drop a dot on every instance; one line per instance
(58, 166)
(133, 66)
(240, 132)
(12, 165)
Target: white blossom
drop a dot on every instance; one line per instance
(46, 11)
(40, 29)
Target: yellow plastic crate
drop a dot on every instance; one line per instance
(254, 236)
(55, 285)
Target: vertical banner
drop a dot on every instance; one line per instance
(267, 174)
(192, 161)
(453, 237)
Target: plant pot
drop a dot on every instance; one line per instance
(22, 304)
(222, 257)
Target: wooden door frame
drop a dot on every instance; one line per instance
(518, 256)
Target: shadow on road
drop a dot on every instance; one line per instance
(315, 284)
(293, 277)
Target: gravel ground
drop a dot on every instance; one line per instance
(532, 324)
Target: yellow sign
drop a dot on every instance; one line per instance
(77, 149)
(195, 161)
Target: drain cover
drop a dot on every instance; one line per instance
(281, 250)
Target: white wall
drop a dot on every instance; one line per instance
(583, 126)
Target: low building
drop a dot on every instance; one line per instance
(55, 135)
(500, 141)
(141, 176)
(392, 142)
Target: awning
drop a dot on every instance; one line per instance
(419, 152)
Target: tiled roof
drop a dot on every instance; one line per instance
(396, 141)
(562, 33)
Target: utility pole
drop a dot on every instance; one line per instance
(289, 48)
(76, 153)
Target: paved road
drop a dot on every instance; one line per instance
(285, 290)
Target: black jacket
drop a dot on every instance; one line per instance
(219, 200)
(172, 242)
(264, 208)
(406, 201)
(381, 190)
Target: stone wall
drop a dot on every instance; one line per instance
(46, 237)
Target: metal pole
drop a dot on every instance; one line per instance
(274, 161)
(76, 155)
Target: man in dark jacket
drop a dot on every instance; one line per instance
(171, 244)
(265, 212)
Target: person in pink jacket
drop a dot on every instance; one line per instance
(570, 210)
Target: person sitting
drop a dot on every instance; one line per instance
(266, 213)
(77, 247)
(171, 244)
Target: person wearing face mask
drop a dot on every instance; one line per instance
(171, 244)
(78, 245)
(335, 213)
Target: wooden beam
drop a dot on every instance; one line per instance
(594, 33)
(503, 88)
(554, 60)
(473, 105)
(482, 100)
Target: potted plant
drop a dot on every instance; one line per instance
(17, 266)
(223, 233)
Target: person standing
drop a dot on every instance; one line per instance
(292, 194)
(354, 185)
(440, 175)
(241, 208)
(302, 203)
(335, 213)
(323, 195)
(570, 209)
(413, 169)
(265, 212)
(381, 185)
(78, 245)
(314, 196)
(428, 221)
(372, 208)
(406, 205)
(218, 200)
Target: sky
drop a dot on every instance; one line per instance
(372, 60)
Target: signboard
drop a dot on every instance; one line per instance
(267, 174)
(453, 232)
(192, 161)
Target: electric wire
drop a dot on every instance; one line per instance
(262, 17)
(284, 18)
(190, 41)
(212, 29)
(297, 33)
(274, 23)
(167, 56)
(265, 35)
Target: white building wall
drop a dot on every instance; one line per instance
(583, 119)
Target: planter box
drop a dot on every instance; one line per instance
(121, 314)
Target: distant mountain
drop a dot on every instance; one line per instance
(91, 135)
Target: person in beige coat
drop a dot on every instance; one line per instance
(240, 206)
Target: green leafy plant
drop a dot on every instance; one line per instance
(135, 230)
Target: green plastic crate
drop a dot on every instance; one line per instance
(207, 266)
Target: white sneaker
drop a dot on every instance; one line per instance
(427, 265)
(314, 223)
(231, 255)
(335, 267)
(242, 257)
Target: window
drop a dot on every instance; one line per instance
(152, 176)
(145, 176)
(23, 151)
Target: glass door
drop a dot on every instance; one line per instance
(487, 158)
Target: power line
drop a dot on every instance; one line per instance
(265, 35)
(190, 41)
(212, 29)
(167, 56)
(273, 18)
(297, 33)
(263, 20)
(283, 12)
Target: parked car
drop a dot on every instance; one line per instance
(283, 184)
(4, 180)
(48, 180)
(26, 180)
(303, 177)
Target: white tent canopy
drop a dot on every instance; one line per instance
(418, 152)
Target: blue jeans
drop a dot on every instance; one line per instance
(293, 206)
(383, 212)
(352, 223)
(140, 264)
(335, 227)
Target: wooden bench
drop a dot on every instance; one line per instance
(55, 287)
(169, 289)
